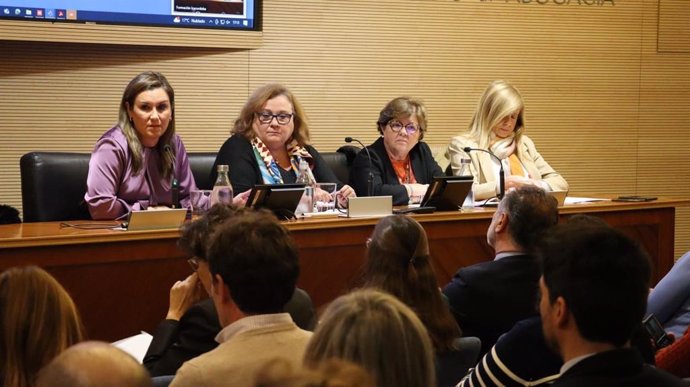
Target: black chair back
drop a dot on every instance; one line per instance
(201, 164)
(53, 186)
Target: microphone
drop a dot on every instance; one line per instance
(370, 177)
(175, 184)
(501, 177)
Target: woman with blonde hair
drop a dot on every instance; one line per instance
(38, 320)
(498, 126)
(375, 330)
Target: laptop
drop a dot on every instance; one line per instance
(155, 219)
(282, 199)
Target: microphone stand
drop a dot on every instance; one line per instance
(501, 177)
(370, 177)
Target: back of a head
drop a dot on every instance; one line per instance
(399, 263)
(195, 235)
(9, 215)
(602, 275)
(531, 212)
(93, 364)
(257, 259)
(329, 373)
(375, 330)
(38, 320)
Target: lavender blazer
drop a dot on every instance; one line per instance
(112, 187)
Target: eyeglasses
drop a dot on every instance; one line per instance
(397, 126)
(267, 117)
(193, 263)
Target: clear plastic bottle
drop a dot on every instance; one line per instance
(222, 189)
(306, 205)
(466, 171)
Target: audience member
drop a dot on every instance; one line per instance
(134, 163)
(488, 298)
(9, 215)
(254, 267)
(377, 331)
(38, 320)
(669, 301)
(497, 126)
(594, 288)
(398, 262)
(329, 373)
(191, 324)
(269, 139)
(401, 164)
(93, 364)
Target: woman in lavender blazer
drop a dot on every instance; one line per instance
(133, 164)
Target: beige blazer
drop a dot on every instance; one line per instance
(485, 179)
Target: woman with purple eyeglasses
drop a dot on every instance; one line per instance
(401, 164)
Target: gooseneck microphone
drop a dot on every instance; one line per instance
(175, 184)
(501, 177)
(370, 177)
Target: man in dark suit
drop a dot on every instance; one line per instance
(594, 289)
(489, 297)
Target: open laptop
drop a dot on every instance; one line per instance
(282, 199)
(155, 219)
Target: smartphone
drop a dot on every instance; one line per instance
(656, 331)
(634, 198)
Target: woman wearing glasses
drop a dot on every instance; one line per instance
(270, 137)
(402, 166)
(497, 126)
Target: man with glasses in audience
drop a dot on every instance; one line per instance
(402, 166)
(254, 268)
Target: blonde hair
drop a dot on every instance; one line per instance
(377, 331)
(256, 101)
(38, 320)
(148, 80)
(330, 373)
(500, 99)
(403, 107)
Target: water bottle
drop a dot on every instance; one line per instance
(465, 171)
(222, 190)
(306, 205)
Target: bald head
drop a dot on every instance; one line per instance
(94, 364)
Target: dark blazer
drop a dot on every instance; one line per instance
(488, 298)
(238, 154)
(386, 182)
(175, 342)
(616, 368)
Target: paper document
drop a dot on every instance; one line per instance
(136, 345)
(577, 200)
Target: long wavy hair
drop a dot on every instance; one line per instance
(38, 320)
(500, 99)
(255, 102)
(145, 81)
(398, 262)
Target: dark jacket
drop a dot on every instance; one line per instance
(238, 154)
(616, 368)
(386, 181)
(488, 298)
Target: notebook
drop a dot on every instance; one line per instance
(155, 219)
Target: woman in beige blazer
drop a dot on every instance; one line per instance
(498, 126)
